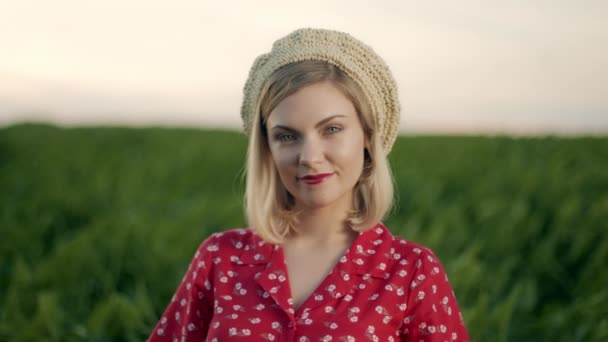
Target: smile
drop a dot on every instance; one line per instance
(316, 179)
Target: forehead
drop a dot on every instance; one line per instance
(311, 104)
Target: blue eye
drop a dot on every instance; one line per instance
(286, 137)
(333, 129)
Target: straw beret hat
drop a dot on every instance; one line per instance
(352, 56)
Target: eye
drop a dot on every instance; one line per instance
(285, 137)
(333, 129)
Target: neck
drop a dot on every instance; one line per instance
(324, 226)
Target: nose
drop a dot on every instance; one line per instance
(311, 152)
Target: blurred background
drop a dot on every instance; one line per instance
(120, 151)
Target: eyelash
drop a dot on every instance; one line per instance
(280, 136)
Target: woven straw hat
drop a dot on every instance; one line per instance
(352, 56)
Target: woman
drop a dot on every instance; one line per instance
(321, 111)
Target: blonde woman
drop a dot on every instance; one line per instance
(316, 264)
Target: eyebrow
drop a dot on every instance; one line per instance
(320, 123)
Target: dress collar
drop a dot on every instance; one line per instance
(368, 255)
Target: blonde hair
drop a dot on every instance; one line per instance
(268, 205)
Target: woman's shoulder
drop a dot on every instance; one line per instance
(231, 240)
(401, 247)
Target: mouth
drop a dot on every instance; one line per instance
(315, 179)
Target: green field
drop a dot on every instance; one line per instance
(97, 226)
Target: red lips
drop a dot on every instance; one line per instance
(315, 179)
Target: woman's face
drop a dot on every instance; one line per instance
(317, 142)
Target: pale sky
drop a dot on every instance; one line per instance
(517, 67)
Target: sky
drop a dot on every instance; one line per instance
(480, 67)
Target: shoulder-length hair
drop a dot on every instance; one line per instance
(268, 205)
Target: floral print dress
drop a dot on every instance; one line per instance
(384, 288)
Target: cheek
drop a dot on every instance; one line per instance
(282, 160)
(351, 152)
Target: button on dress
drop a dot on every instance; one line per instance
(384, 288)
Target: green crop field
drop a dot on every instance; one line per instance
(97, 226)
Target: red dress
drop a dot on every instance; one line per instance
(384, 288)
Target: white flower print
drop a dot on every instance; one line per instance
(378, 277)
(268, 336)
